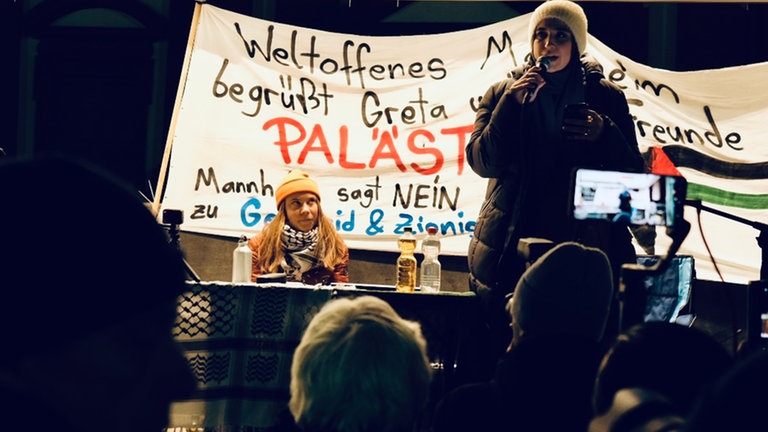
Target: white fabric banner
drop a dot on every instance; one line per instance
(381, 123)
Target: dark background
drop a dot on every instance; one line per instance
(98, 78)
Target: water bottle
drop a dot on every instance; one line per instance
(430, 267)
(241, 261)
(406, 262)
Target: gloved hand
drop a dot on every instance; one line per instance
(582, 123)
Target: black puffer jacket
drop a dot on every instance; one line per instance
(509, 151)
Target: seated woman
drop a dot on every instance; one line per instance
(300, 241)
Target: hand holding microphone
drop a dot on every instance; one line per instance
(542, 65)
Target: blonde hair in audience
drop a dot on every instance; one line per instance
(359, 367)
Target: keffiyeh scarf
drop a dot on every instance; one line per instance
(300, 252)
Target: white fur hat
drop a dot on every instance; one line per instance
(567, 290)
(566, 11)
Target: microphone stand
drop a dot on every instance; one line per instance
(756, 291)
(762, 238)
(632, 295)
(173, 233)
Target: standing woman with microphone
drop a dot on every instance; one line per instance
(556, 113)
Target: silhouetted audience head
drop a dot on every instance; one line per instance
(639, 410)
(568, 290)
(737, 401)
(359, 367)
(666, 361)
(544, 381)
(90, 286)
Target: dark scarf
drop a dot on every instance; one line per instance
(551, 157)
(563, 87)
(300, 252)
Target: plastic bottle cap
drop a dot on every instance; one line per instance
(431, 230)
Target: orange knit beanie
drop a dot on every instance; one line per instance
(296, 181)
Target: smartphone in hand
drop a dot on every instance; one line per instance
(575, 124)
(576, 110)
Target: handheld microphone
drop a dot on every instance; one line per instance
(542, 63)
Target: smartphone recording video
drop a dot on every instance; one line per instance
(628, 198)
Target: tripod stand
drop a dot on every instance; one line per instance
(174, 218)
(632, 294)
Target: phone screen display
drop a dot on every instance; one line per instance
(628, 198)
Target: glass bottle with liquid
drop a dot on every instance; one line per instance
(430, 267)
(406, 262)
